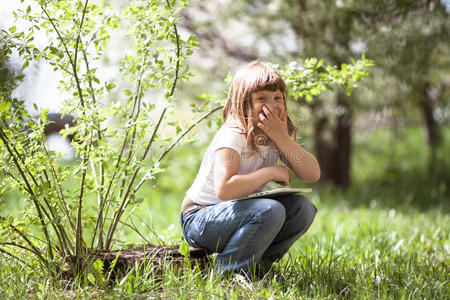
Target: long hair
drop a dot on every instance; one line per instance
(253, 77)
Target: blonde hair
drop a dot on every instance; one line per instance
(253, 77)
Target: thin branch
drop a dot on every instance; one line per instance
(29, 190)
(138, 88)
(177, 68)
(79, 30)
(79, 232)
(33, 247)
(116, 168)
(151, 229)
(61, 66)
(174, 143)
(63, 202)
(76, 52)
(63, 205)
(15, 257)
(16, 163)
(52, 216)
(103, 221)
(100, 198)
(133, 227)
(80, 92)
(138, 105)
(122, 171)
(123, 145)
(119, 212)
(78, 236)
(58, 33)
(18, 181)
(186, 131)
(86, 63)
(72, 62)
(17, 245)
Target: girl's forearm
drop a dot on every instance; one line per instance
(241, 185)
(301, 162)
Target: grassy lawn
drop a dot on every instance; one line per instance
(386, 237)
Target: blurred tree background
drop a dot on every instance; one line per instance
(407, 93)
(408, 40)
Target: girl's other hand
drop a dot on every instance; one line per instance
(281, 175)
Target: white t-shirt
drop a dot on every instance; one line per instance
(202, 190)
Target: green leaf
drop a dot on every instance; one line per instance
(25, 65)
(110, 86)
(91, 278)
(184, 249)
(98, 266)
(44, 115)
(5, 106)
(54, 50)
(20, 76)
(319, 63)
(113, 264)
(157, 170)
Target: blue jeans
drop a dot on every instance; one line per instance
(248, 232)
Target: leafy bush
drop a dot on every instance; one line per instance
(110, 155)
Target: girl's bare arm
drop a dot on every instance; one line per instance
(301, 162)
(230, 185)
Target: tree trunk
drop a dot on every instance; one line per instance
(342, 142)
(322, 147)
(334, 156)
(434, 135)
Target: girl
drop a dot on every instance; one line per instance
(242, 159)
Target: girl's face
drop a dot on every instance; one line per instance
(273, 100)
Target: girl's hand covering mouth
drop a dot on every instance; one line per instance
(274, 125)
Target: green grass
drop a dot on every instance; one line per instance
(386, 237)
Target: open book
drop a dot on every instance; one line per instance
(277, 193)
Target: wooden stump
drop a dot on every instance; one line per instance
(158, 256)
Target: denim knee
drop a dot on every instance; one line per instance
(310, 208)
(274, 213)
(301, 211)
(308, 211)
